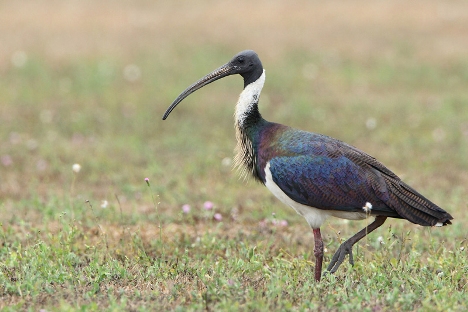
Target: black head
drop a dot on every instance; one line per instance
(248, 65)
(245, 63)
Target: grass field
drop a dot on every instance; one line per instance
(87, 83)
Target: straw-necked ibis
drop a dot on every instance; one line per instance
(317, 175)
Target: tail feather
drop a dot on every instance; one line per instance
(417, 202)
(409, 213)
(415, 207)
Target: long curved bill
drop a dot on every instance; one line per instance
(219, 73)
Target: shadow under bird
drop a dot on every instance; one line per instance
(318, 176)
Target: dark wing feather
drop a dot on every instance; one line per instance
(405, 200)
(329, 183)
(325, 173)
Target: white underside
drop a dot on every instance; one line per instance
(315, 217)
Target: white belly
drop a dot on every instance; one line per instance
(315, 217)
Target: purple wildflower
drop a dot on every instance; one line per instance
(6, 160)
(208, 205)
(186, 208)
(283, 223)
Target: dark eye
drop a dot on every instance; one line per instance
(240, 60)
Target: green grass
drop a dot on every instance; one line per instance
(61, 251)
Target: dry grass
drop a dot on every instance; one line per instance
(435, 30)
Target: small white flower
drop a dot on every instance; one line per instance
(132, 73)
(104, 204)
(380, 240)
(226, 162)
(19, 59)
(371, 123)
(367, 207)
(76, 168)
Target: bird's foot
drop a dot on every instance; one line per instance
(345, 249)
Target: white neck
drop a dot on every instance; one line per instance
(248, 97)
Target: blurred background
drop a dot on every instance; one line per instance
(83, 87)
(86, 82)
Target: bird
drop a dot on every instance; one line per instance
(317, 175)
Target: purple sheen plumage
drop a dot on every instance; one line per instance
(325, 173)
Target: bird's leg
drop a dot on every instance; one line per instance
(318, 252)
(347, 246)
